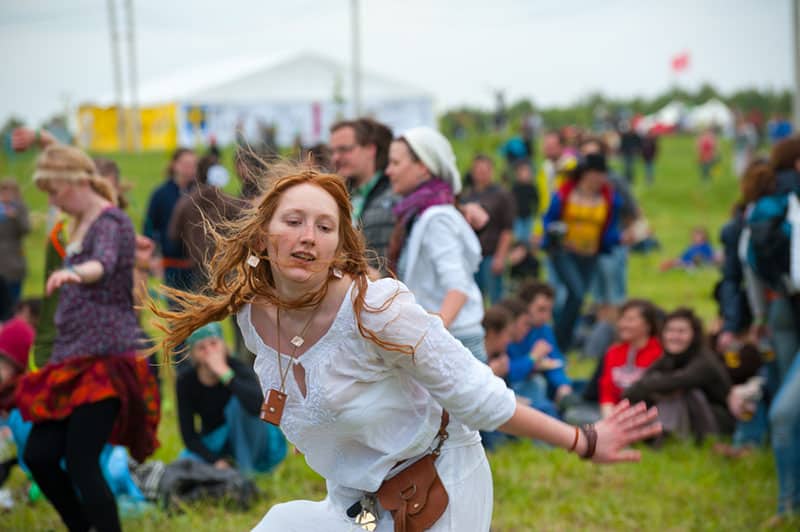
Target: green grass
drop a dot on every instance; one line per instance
(680, 487)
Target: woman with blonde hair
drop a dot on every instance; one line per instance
(94, 388)
(357, 374)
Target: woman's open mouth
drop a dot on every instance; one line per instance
(303, 256)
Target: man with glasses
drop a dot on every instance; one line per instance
(360, 152)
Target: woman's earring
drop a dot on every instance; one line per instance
(337, 273)
(253, 260)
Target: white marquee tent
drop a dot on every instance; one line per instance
(299, 94)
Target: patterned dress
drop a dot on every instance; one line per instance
(94, 353)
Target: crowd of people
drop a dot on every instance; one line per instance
(362, 283)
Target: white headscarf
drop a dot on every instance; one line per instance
(436, 153)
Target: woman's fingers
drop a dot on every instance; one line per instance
(618, 409)
(628, 455)
(643, 433)
(624, 416)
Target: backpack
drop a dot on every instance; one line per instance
(773, 250)
(186, 481)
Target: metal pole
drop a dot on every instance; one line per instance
(133, 78)
(116, 69)
(356, 59)
(796, 59)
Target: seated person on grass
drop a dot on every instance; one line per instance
(625, 362)
(528, 360)
(699, 253)
(539, 298)
(226, 395)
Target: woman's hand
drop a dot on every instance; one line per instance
(59, 278)
(625, 425)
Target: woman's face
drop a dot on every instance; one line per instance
(593, 180)
(405, 174)
(63, 194)
(677, 336)
(631, 326)
(303, 234)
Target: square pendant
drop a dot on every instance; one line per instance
(252, 261)
(297, 341)
(272, 409)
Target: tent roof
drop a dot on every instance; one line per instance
(284, 77)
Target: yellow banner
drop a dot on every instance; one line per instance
(99, 129)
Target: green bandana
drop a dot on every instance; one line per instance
(210, 330)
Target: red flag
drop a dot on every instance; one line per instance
(680, 62)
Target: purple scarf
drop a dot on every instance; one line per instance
(429, 194)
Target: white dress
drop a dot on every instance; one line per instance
(367, 408)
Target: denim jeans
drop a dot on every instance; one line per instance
(784, 419)
(610, 284)
(649, 171)
(784, 336)
(491, 285)
(476, 345)
(576, 273)
(254, 445)
(534, 388)
(558, 287)
(522, 229)
(753, 431)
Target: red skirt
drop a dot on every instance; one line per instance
(52, 393)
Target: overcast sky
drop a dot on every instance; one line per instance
(553, 52)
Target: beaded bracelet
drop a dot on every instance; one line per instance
(591, 440)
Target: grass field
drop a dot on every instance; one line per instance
(680, 487)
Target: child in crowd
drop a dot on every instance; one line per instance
(699, 253)
(526, 195)
(539, 299)
(225, 394)
(528, 360)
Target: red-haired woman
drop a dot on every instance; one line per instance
(357, 374)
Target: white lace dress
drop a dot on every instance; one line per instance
(367, 408)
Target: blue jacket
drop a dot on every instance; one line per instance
(520, 364)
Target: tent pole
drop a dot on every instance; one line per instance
(356, 59)
(116, 69)
(133, 79)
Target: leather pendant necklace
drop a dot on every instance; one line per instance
(275, 401)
